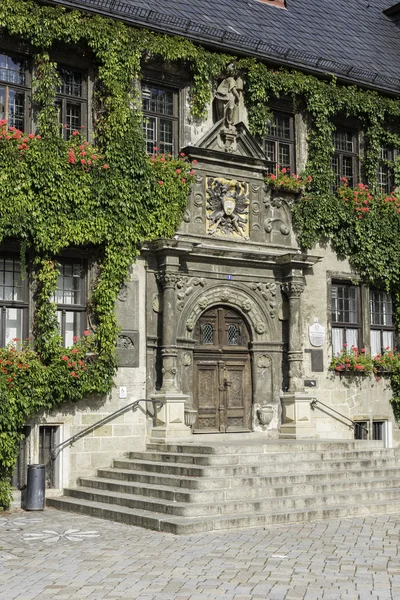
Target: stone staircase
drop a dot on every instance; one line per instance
(196, 486)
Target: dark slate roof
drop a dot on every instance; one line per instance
(351, 38)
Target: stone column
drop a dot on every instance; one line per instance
(293, 290)
(296, 404)
(171, 415)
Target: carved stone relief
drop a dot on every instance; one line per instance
(227, 207)
(186, 286)
(268, 292)
(186, 359)
(263, 361)
(125, 342)
(279, 216)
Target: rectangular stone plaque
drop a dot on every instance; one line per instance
(317, 360)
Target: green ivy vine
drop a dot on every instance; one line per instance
(109, 207)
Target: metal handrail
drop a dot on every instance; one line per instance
(57, 449)
(315, 401)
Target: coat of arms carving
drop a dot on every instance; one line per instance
(227, 207)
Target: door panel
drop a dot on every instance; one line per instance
(206, 390)
(222, 389)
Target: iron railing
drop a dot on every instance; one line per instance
(133, 405)
(315, 401)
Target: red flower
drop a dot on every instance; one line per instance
(75, 133)
(283, 170)
(83, 161)
(75, 338)
(182, 154)
(194, 162)
(160, 182)
(155, 149)
(38, 137)
(106, 166)
(74, 351)
(183, 180)
(64, 358)
(272, 176)
(86, 332)
(73, 374)
(179, 170)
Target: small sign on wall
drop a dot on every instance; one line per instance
(316, 334)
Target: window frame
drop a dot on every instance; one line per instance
(388, 164)
(78, 308)
(276, 140)
(341, 154)
(22, 304)
(174, 118)
(24, 88)
(380, 327)
(62, 99)
(344, 325)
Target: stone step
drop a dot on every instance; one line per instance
(184, 525)
(232, 507)
(183, 470)
(180, 494)
(217, 483)
(257, 447)
(264, 458)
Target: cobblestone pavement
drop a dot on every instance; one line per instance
(64, 556)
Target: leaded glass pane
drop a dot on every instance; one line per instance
(208, 333)
(376, 344)
(233, 335)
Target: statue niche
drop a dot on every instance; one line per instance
(227, 207)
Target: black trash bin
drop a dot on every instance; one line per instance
(35, 487)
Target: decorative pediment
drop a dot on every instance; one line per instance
(235, 140)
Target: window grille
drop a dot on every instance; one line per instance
(208, 334)
(233, 335)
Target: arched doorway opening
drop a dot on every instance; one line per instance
(222, 390)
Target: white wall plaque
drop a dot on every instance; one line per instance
(317, 334)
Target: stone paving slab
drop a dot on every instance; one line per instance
(53, 555)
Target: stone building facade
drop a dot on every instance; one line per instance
(228, 326)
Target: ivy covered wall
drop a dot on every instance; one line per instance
(108, 207)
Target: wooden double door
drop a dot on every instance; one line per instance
(222, 372)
